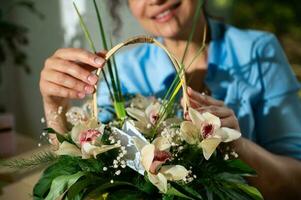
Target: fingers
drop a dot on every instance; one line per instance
(193, 103)
(203, 99)
(72, 69)
(68, 81)
(230, 122)
(220, 112)
(226, 115)
(81, 55)
(53, 89)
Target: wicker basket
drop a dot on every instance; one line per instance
(149, 40)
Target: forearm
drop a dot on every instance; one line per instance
(55, 116)
(279, 177)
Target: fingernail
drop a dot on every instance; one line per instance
(89, 89)
(99, 61)
(81, 95)
(92, 78)
(189, 89)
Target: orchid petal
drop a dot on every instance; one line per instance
(161, 144)
(209, 145)
(189, 132)
(228, 134)
(159, 181)
(142, 127)
(196, 117)
(174, 172)
(172, 121)
(75, 132)
(89, 150)
(152, 108)
(147, 156)
(67, 148)
(137, 114)
(83, 126)
(93, 123)
(212, 119)
(139, 143)
(141, 102)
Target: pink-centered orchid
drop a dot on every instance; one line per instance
(205, 131)
(153, 158)
(145, 119)
(86, 135)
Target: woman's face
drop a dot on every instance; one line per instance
(165, 18)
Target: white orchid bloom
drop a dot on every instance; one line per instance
(86, 137)
(89, 150)
(145, 119)
(205, 131)
(67, 148)
(80, 128)
(153, 156)
(141, 102)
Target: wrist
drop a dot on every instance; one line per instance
(238, 146)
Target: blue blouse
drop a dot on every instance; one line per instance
(247, 69)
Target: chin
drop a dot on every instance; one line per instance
(168, 31)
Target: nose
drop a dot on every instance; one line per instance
(156, 2)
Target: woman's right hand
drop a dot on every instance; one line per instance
(68, 74)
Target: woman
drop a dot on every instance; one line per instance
(253, 88)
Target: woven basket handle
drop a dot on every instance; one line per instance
(150, 40)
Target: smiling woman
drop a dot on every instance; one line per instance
(251, 83)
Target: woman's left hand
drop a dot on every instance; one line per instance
(204, 103)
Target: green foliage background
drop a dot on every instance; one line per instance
(283, 18)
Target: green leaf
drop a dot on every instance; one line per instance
(61, 138)
(77, 188)
(252, 191)
(41, 158)
(66, 165)
(175, 192)
(91, 165)
(62, 183)
(49, 130)
(127, 195)
(101, 189)
(84, 28)
(238, 166)
(196, 18)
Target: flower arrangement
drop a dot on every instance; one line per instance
(147, 152)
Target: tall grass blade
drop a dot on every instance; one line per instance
(112, 69)
(92, 46)
(195, 21)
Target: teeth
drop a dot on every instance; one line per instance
(161, 15)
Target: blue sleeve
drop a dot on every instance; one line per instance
(106, 111)
(278, 113)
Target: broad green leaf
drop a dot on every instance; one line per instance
(240, 167)
(65, 165)
(252, 191)
(77, 188)
(101, 189)
(61, 184)
(175, 192)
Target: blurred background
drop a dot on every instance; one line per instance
(30, 31)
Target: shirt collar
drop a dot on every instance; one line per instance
(217, 30)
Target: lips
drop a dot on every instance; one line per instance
(166, 13)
